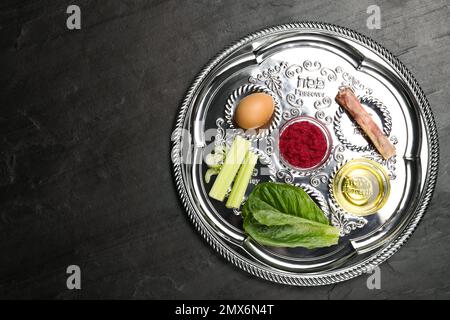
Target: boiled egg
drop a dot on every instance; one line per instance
(254, 111)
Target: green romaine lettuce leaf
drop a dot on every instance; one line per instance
(284, 198)
(282, 215)
(309, 235)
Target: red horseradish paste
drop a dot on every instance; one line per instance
(303, 144)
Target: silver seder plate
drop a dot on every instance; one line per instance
(302, 66)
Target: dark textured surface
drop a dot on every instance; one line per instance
(85, 122)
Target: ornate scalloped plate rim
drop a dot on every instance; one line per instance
(337, 275)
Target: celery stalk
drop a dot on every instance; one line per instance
(230, 167)
(241, 183)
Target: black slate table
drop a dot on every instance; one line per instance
(85, 123)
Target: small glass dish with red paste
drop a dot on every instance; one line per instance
(305, 144)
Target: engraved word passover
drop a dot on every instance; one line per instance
(306, 87)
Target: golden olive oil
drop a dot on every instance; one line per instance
(361, 186)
